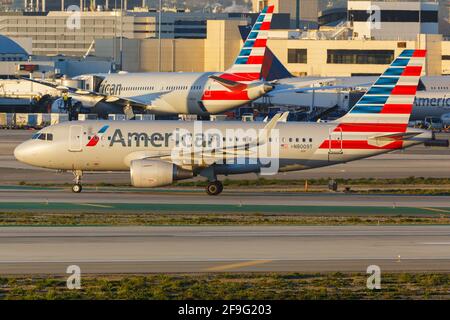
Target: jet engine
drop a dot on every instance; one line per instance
(146, 173)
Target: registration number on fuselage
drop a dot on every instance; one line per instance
(302, 146)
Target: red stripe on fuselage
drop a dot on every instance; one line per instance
(359, 144)
(225, 95)
(371, 127)
(397, 108)
(404, 90)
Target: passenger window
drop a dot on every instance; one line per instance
(49, 136)
(41, 136)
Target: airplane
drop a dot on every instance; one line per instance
(181, 92)
(432, 97)
(157, 153)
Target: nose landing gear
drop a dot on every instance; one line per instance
(77, 187)
(214, 188)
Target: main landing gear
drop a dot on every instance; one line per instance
(76, 188)
(214, 188)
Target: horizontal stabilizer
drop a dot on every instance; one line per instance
(229, 84)
(380, 141)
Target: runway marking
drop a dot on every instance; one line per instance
(435, 209)
(238, 265)
(94, 205)
(437, 243)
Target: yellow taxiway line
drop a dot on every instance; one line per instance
(238, 265)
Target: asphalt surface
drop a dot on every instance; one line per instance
(49, 250)
(171, 201)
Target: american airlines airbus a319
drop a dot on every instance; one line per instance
(182, 92)
(157, 153)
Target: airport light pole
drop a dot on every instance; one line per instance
(159, 35)
(121, 36)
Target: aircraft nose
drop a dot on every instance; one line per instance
(22, 152)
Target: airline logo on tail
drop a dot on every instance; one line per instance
(394, 91)
(384, 111)
(249, 64)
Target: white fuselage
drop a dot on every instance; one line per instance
(177, 93)
(301, 145)
(432, 99)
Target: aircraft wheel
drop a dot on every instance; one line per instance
(214, 188)
(76, 188)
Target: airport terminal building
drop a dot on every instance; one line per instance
(197, 42)
(345, 48)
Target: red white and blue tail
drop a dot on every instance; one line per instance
(379, 120)
(388, 103)
(249, 64)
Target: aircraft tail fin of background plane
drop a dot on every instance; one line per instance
(273, 68)
(389, 101)
(249, 64)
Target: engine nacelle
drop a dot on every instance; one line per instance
(147, 173)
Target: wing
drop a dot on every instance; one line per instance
(206, 156)
(96, 97)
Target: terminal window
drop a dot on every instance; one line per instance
(396, 15)
(297, 56)
(360, 56)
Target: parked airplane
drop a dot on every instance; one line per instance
(157, 153)
(182, 92)
(432, 97)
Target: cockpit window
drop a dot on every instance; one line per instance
(43, 136)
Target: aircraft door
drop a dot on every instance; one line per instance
(76, 138)
(207, 92)
(335, 142)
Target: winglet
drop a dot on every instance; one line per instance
(267, 130)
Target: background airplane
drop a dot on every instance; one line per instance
(182, 92)
(377, 124)
(432, 97)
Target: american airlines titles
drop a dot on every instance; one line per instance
(110, 89)
(236, 146)
(432, 102)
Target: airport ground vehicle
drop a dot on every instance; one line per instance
(446, 120)
(433, 123)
